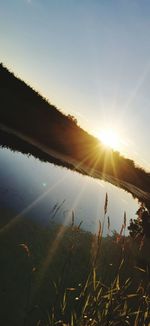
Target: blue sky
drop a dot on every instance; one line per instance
(90, 58)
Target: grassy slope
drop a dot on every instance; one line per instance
(44, 129)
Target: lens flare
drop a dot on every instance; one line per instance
(110, 138)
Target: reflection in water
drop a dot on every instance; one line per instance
(33, 196)
(50, 193)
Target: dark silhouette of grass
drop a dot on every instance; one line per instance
(42, 130)
(64, 273)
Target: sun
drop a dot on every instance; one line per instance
(110, 138)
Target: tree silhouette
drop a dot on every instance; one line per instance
(72, 119)
(140, 226)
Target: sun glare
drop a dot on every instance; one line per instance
(110, 138)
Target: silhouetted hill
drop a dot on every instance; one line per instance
(40, 128)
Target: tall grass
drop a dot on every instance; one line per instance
(94, 303)
(89, 280)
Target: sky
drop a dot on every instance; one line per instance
(90, 58)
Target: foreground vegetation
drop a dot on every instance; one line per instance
(61, 275)
(48, 133)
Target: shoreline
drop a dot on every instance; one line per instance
(53, 156)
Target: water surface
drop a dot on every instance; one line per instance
(48, 193)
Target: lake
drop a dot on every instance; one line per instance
(49, 193)
(39, 256)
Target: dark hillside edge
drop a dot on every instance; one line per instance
(30, 124)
